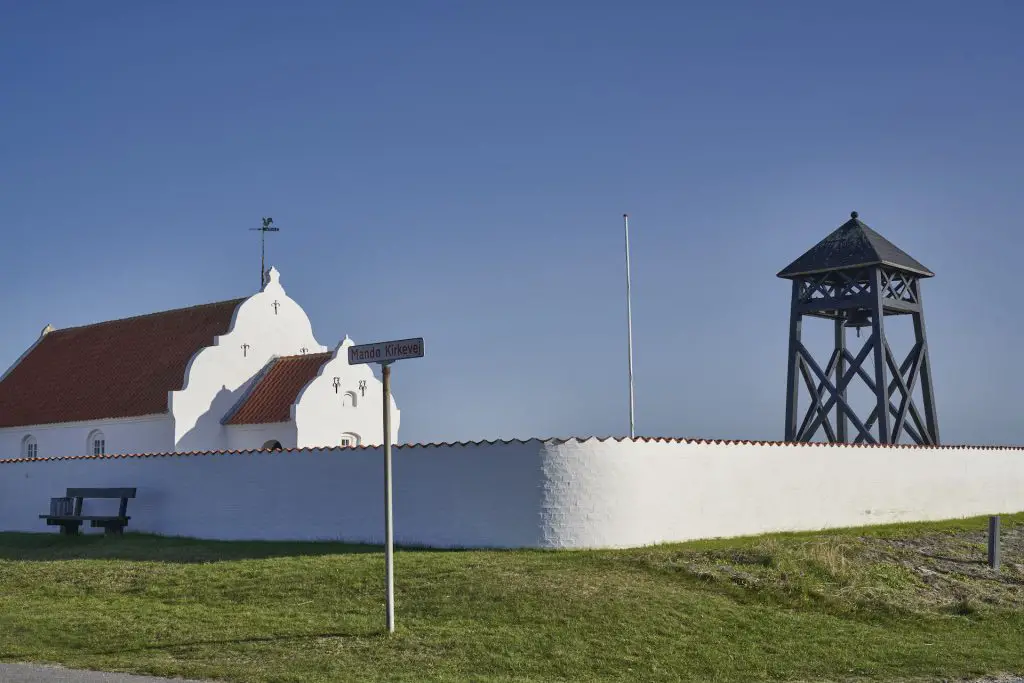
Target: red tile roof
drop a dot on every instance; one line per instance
(119, 368)
(271, 397)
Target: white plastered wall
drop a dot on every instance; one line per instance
(218, 375)
(629, 493)
(553, 494)
(149, 434)
(255, 437)
(462, 495)
(323, 413)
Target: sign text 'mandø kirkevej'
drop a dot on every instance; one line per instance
(384, 352)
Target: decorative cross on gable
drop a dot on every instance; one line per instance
(337, 383)
(245, 349)
(362, 387)
(276, 305)
(303, 350)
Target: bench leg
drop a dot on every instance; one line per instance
(112, 528)
(70, 528)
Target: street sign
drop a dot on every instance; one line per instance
(386, 352)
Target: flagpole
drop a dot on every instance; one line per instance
(629, 329)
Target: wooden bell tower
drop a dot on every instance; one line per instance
(856, 278)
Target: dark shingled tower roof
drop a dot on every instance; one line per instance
(853, 245)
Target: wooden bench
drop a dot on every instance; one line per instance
(112, 524)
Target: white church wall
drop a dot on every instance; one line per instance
(267, 324)
(324, 414)
(255, 437)
(572, 494)
(147, 434)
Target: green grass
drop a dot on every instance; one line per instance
(898, 602)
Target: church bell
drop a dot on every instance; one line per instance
(858, 318)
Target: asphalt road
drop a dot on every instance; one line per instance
(25, 673)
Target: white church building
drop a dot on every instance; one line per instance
(234, 375)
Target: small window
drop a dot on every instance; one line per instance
(29, 447)
(273, 445)
(97, 443)
(349, 399)
(349, 440)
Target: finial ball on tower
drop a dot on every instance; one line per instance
(854, 214)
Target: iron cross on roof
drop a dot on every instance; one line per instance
(268, 226)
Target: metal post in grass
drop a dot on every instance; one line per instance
(389, 527)
(993, 542)
(384, 354)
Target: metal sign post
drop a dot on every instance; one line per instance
(389, 528)
(384, 354)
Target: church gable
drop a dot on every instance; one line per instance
(267, 325)
(115, 369)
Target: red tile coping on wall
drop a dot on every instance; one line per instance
(114, 369)
(493, 442)
(271, 397)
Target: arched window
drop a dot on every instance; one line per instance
(29, 447)
(349, 439)
(273, 445)
(349, 399)
(97, 443)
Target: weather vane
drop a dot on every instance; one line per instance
(268, 226)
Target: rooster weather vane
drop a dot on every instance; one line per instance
(268, 226)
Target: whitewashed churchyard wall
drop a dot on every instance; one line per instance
(548, 494)
(630, 493)
(451, 496)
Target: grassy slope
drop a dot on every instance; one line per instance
(891, 602)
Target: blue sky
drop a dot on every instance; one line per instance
(458, 171)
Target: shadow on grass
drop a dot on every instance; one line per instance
(186, 644)
(137, 547)
(141, 547)
(253, 640)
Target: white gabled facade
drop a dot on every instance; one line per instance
(266, 325)
(328, 414)
(218, 378)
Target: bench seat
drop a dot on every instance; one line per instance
(85, 518)
(111, 524)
